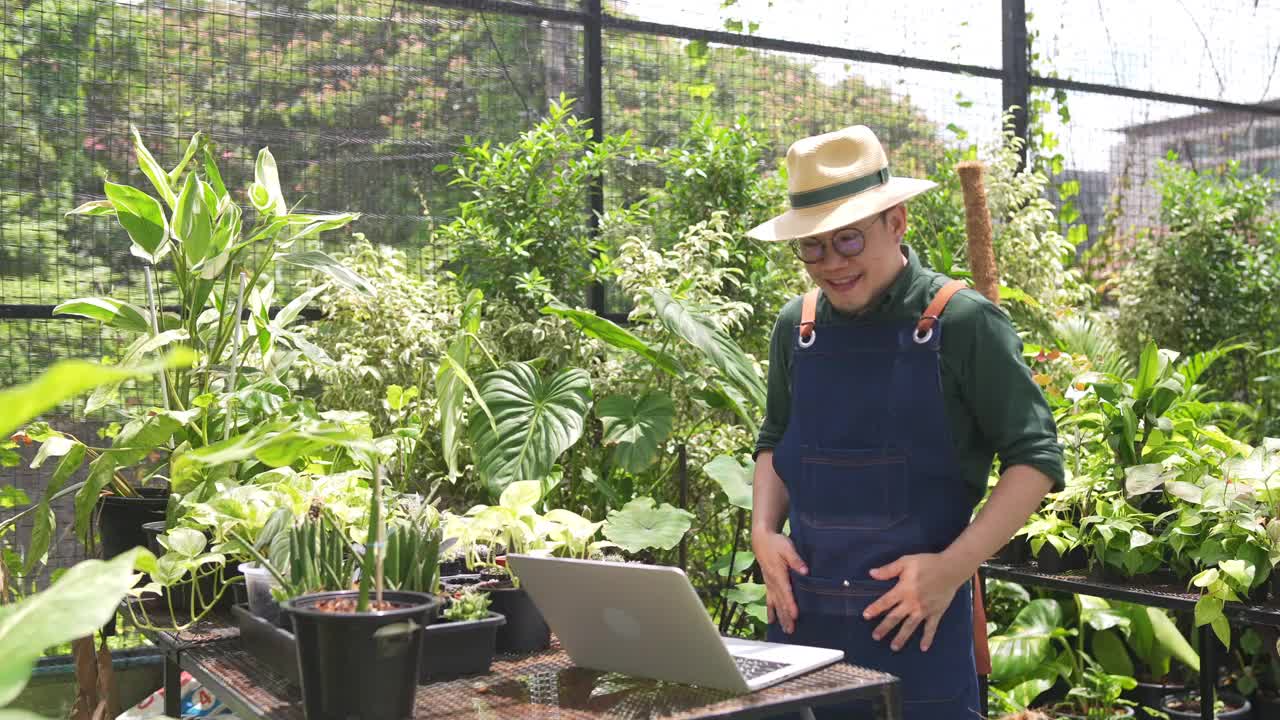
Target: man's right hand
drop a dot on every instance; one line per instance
(776, 555)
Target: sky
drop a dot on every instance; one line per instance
(1217, 49)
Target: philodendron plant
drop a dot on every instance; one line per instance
(216, 263)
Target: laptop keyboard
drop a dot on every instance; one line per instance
(752, 668)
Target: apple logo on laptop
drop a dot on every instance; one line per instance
(620, 623)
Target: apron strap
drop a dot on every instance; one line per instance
(934, 311)
(981, 649)
(808, 314)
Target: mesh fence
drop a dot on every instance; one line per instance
(362, 101)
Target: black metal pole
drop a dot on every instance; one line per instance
(593, 44)
(1208, 671)
(1017, 71)
(683, 470)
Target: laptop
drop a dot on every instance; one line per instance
(647, 621)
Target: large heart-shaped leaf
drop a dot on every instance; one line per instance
(636, 427)
(1099, 614)
(735, 478)
(108, 311)
(536, 420)
(143, 218)
(730, 359)
(79, 603)
(641, 524)
(1020, 651)
(593, 325)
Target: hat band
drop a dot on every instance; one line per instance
(809, 198)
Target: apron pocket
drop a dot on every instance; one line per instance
(852, 489)
(944, 678)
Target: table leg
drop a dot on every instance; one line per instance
(172, 686)
(807, 714)
(891, 700)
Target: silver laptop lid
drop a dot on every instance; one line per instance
(641, 620)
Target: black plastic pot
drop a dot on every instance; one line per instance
(1243, 707)
(1051, 562)
(1265, 707)
(1149, 695)
(1123, 711)
(274, 646)
(525, 631)
(360, 666)
(120, 519)
(1016, 552)
(454, 649)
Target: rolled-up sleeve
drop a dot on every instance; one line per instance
(1010, 410)
(778, 400)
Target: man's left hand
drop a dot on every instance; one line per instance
(926, 585)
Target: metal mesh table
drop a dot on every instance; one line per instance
(539, 685)
(546, 685)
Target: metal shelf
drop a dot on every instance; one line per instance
(1171, 597)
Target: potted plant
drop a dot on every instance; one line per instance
(359, 650)
(1054, 543)
(1097, 696)
(1186, 706)
(463, 641)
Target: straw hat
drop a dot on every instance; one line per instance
(835, 179)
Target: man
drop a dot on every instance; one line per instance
(890, 392)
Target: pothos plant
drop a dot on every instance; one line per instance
(217, 264)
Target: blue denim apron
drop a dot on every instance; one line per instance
(868, 462)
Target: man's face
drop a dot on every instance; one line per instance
(851, 284)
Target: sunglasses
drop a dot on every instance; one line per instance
(848, 242)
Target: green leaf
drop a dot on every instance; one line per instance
(211, 172)
(1099, 614)
(734, 477)
(192, 221)
(640, 525)
(66, 379)
(101, 472)
(156, 174)
(536, 421)
(717, 347)
(270, 199)
(312, 225)
(744, 593)
(742, 561)
(593, 325)
(196, 142)
(1026, 645)
(76, 605)
(1239, 571)
(636, 427)
(95, 208)
(321, 262)
(108, 311)
(184, 541)
(13, 497)
(45, 520)
(54, 446)
(275, 445)
(1168, 637)
(1142, 479)
(1109, 651)
(143, 218)
(521, 497)
(290, 312)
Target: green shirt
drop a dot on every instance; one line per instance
(993, 405)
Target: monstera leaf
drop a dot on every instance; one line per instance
(1019, 652)
(636, 427)
(534, 421)
(641, 524)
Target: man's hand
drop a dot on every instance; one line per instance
(926, 585)
(776, 554)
